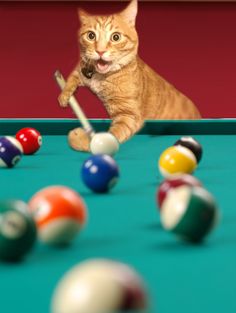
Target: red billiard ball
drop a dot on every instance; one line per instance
(174, 182)
(30, 139)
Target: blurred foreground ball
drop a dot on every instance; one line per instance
(59, 212)
(172, 182)
(17, 230)
(189, 212)
(99, 286)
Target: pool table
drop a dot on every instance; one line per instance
(125, 224)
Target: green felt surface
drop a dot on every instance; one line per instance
(124, 225)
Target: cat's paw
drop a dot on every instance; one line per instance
(64, 99)
(79, 140)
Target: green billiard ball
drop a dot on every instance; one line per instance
(189, 212)
(17, 230)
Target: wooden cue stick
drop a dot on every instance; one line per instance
(75, 106)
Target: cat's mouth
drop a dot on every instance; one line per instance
(102, 66)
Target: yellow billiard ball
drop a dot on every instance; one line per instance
(177, 160)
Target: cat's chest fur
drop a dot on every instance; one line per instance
(100, 86)
(95, 83)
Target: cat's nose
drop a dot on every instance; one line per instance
(100, 53)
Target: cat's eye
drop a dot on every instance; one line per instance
(115, 37)
(91, 36)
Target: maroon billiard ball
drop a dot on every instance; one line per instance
(174, 182)
(30, 139)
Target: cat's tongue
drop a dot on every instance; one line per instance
(102, 65)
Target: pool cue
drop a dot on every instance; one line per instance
(75, 106)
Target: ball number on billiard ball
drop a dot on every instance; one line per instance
(17, 230)
(177, 160)
(105, 287)
(60, 213)
(30, 139)
(192, 144)
(100, 173)
(10, 151)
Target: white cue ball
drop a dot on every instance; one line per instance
(104, 143)
(95, 286)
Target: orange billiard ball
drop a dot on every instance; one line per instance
(59, 212)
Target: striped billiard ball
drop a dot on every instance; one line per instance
(10, 151)
(100, 286)
(192, 144)
(189, 212)
(172, 182)
(100, 173)
(60, 213)
(17, 230)
(177, 160)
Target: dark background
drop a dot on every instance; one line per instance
(191, 44)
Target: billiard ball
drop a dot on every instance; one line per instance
(60, 213)
(10, 151)
(17, 230)
(192, 144)
(190, 213)
(30, 139)
(99, 286)
(104, 143)
(177, 160)
(174, 181)
(100, 173)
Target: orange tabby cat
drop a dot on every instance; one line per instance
(130, 90)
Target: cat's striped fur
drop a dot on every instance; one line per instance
(110, 66)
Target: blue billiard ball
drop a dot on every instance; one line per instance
(100, 173)
(10, 151)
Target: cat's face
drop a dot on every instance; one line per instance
(109, 42)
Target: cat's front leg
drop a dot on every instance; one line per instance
(72, 84)
(124, 127)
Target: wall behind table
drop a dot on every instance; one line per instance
(191, 44)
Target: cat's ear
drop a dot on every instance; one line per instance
(83, 16)
(130, 12)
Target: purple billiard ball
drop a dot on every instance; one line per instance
(10, 151)
(100, 173)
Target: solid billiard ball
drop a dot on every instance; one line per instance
(30, 139)
(100, 173)
(104, 143)
(100, 286)
(17, 230)
(192, 144)
(177, 160)
(59, 212)
(10, 151)
(174, 181)
(189, 212)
